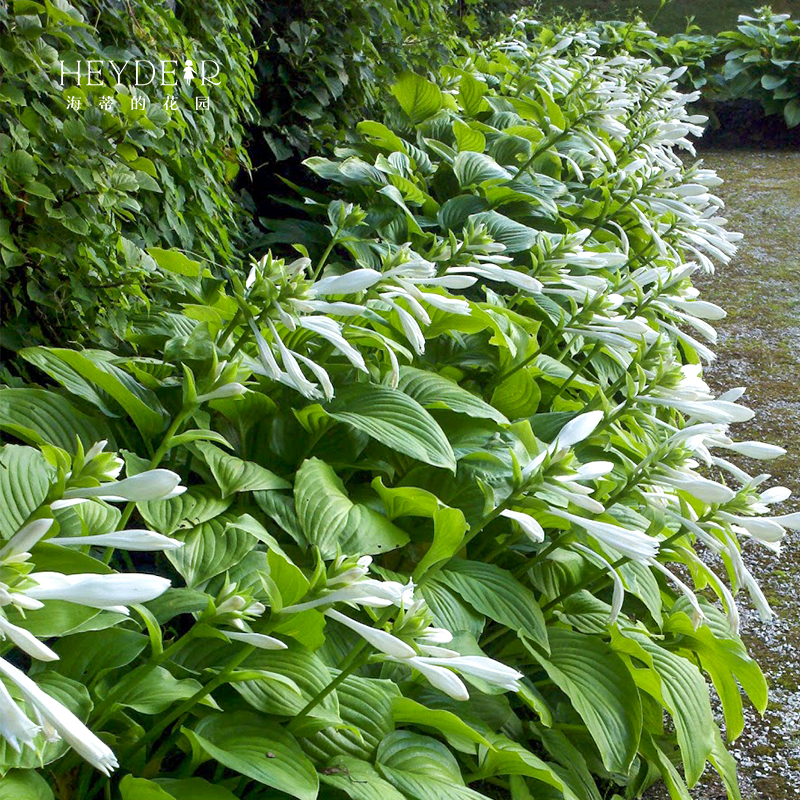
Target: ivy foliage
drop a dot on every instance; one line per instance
(95, 171)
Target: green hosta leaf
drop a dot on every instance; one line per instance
(454, 213)
(197, 505)
(53, 558)
(245, 411)
(449, 524)
(725, 765)
(131, 788)
(57, 618)
(669, 773)
(396, 196)
(394, 419)
(357, 779)
(474, 168)
(236, 475)
(187, 437)
(96, 516)
(75, 370)
(50, 363)
(470, 95)
(497, 594)
(158, 690)
(209, 549)
(449, 611)
(602, 691)
(85, 655)
(175, 602)
(287, 578)
(724, 657)
(25, 784)
(514, 235)
(771, 82)
(684, 694)
(518, 395)
(42, 417)
(575, 771)
(175, 261)
(418, 97)
(252, 745)
(332, 522)
(436, 391)
(25, 479)
(458, 733)
(554, 114)
(791, 113)
(194, 789)
(468, 138)
(365, 706)
(507, 757)
(422, 768)
(410, 191)
(291, 679)
(382, 136)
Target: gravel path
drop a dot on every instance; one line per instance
(759, 347)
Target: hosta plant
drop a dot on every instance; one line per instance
(462, 518)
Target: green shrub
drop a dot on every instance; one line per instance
(441, 451)
(760, 60)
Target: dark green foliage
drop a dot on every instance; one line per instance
(86, 191)
(320, 70)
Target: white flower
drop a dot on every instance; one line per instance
(494, 273)
(367, 592)
(777, 494)
(577, 429)
(698, 616)
(134, 540)
(434, 636)
(62, 720)
(15, 727)
(618, 596)
(380, 640)
(351, 282)
(26, 641)
(97, 591)
(329, 329)
(705, 411)
(530, 527)
(351, 575)
(259, 640)
(633, 544)
(443, 679)
(25, 538)
(588, 472)
(758, 450)
(228, 390)
(153, 484)
(765, 529)
(486, 669)
(702, 488)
